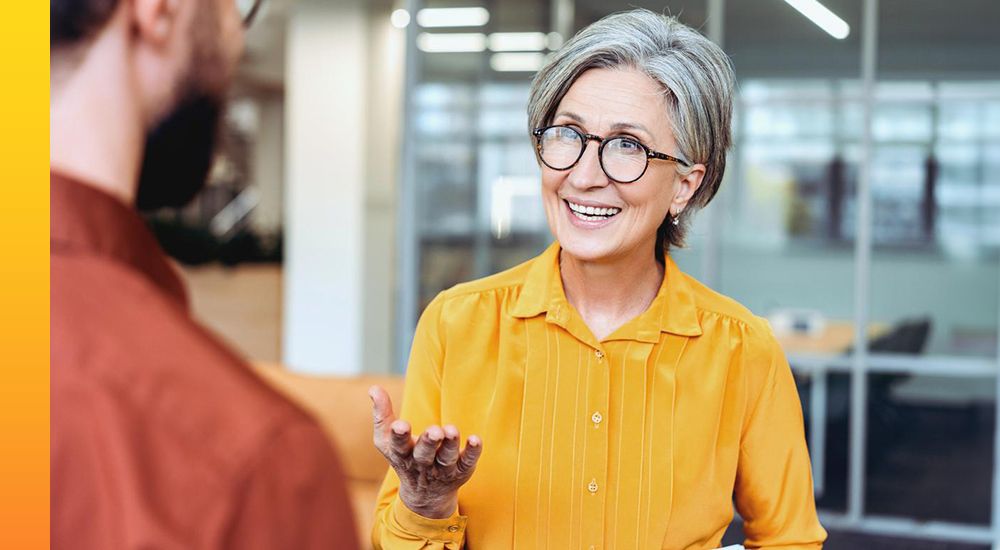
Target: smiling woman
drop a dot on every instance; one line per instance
(616, 402)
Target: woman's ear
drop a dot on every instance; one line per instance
(154, 20)
(687, 186)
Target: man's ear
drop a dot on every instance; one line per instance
(154, 20)
(686, 188)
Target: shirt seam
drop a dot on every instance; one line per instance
(748, 323)
(456, 293)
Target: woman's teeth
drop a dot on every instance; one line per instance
(591, 213)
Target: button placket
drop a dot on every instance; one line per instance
(597, 444)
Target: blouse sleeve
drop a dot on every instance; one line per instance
(396, 526)
(774, 486)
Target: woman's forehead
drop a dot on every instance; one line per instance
(616, 98)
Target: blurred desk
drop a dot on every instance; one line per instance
(835, 338)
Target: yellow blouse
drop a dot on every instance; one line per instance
(642, 440)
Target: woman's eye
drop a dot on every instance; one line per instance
(565, 134)
(627, 145)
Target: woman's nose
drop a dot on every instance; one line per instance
(587, 173)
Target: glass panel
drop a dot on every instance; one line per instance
(935, 185)
(930, 447)
(787, 205)
(787, 202)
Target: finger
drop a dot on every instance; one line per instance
(381, 407)
(470, 456)
(401, 442)
(447, 455)
(426, 448)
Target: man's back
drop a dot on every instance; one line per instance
(161, 437)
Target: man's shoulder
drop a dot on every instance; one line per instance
(117, 337)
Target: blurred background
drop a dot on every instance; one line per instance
(376, 152)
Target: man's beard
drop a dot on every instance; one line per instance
(179, 152)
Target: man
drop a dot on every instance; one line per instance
(161, 437)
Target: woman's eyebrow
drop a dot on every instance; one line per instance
(571, 115)
(619, 126)
(616, 127)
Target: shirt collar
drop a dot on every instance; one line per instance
(87, 221)
(673, 310)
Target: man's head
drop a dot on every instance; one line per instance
(177, 57)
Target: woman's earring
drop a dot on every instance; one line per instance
(676, 219)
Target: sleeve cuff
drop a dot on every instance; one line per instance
(448, 530)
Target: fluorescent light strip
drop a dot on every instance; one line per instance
(518, 41)
(526, 62)
(453, 17)
(822, 17)
(451, 42)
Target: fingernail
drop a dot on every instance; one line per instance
(474, 441)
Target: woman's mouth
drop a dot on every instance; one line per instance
(591, 213)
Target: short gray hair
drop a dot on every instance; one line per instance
(697, 80)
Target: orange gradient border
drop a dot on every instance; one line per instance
(24, 275)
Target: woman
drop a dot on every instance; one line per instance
(622, 404)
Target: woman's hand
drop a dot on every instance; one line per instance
(430, 469)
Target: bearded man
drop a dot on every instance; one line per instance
(161, 436)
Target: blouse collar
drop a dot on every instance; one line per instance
(673, 310)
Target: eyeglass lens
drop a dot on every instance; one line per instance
(623, 159)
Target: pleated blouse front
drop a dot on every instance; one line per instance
(642, 440)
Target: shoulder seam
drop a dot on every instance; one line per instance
(753, 316)
(456, 292)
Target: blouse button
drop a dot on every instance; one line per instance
(592, 486)
(597, 418)
(452, 528)
(599, 354)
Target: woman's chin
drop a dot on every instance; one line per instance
(584, 250)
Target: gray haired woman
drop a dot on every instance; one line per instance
(616, 401)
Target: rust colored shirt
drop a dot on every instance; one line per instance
(161, 436)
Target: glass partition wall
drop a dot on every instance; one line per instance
(860, 214)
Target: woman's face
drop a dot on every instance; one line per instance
(609, 103)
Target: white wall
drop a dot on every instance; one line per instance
(344, 81)
(387, 49)
(325, 128)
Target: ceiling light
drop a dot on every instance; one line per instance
(517, 41)
(453, 17)
(451, 42)
(400, 18)
(527, 62)
(822, 17)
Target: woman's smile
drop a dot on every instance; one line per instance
(589, 215)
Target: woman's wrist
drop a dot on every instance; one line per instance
(433, 508)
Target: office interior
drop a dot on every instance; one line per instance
(376, 152)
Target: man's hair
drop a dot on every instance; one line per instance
(74, 21)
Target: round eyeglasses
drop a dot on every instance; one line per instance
(623, 159)
(248, 10)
